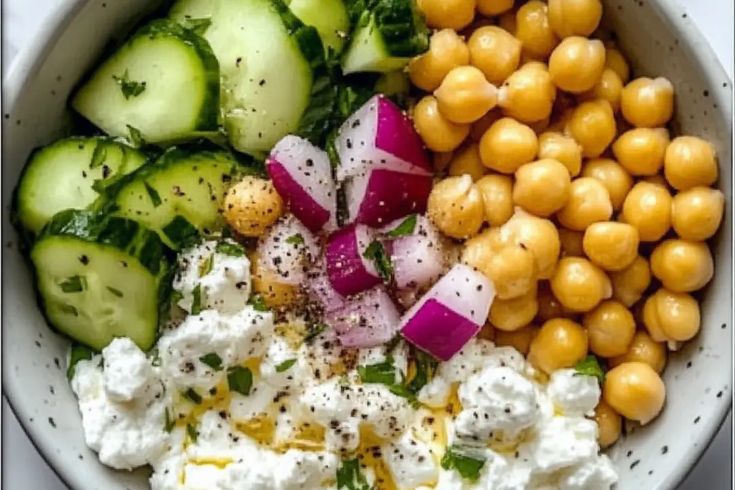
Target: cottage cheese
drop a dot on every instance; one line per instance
(126, 372)
(572, 393)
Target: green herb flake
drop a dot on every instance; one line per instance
(74, 284)
(406, 227)
(152, 194)
(129, 88)
(212, 360)
(155, 357)
(77, 353)
(590, 366)
(231, 249)
(295, 240)
(114, 291)
(258, 303)
(350, 477)
(68, 309)
(382, 373)
(193, 396)
(199, 26)
(181, 232)
(196, 300)
(314, 331)
(467, 466)
(425, 368)
(376, 253)
(168, 424)
(206, 265)
(285, 365)
(240, 380)
(193, 434)
(99, 155)
(136, 137)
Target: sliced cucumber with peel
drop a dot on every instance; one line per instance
(329, 17)
(161, 86)
(101, 277)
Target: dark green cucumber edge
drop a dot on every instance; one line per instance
(400, 23)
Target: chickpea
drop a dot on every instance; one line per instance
(560, 343)
(440, 161)
(643, 349)
(610, 328)
(548, 306)
(507, 145)
(480, 127)
(519, 339)
(611, 175)
(562, 148)
(538, 235)
(641, 150)
(528, 94)
(275, 294)
(635, 391)
(648, 103)
(648, 207)
(452, 14)
(689, 162)
(437, 132)
(609, 87)
(494, 7)
(615, 60)
(533, 29)
(495, 52)
(512, 314)
(609, 425)
(497, 197)
(511, 267)
(574, 17)
(464, 95)
(507, 21)
(630, 283)
(252, 205)
(592, 125)
(467, 161)
(610, 245)
(579, 285)
(682, 266)
(677, 314)
(455, 206)
(696, 213)
(447, 50)
(542, 187)
(589, 202)
(571, 243)
(577, 63)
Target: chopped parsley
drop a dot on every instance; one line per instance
(590, 366)
(285, 365)
(232, 249)
(77, 353)
(136, 138)
(212, 360)
(193, 434)
(258, 303)
(376, 253)
(206, 265)
(152, 194)
(296, 239)
(128, 87)
(467, 466)
(74, 284)
(114, 291)
(240, 379)
(350, 477)
(192, 395)
(196, 300)
(99, 155)
(383, 372)
(314, 331)
(168, 423)
(425, 367)
(406, 227)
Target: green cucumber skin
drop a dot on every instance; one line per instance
(329, 17)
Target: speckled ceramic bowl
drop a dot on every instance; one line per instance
(657, 36)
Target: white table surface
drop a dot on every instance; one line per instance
(23, 468)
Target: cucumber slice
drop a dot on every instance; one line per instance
(272, 67)
(70, 174)
(387, 34)
(101, 277)
(178, 195)
(161, 86)
(329, 17)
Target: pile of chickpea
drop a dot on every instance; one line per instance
(597, 219)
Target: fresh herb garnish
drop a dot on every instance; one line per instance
(193, 396)
(128, 87)
(155, 357)
(199, 26)
(296, 239)
(99, 155)
(77, 353)
(425, 368)
(383, 372)
(350, 477)
(467, 466)
(136, 138)
(175, 297)
(212, 360)
(114, 291)
(240, 379)
(169, 423)
(406, 227)
(206, 265)
(68, 309)
(285, 365)
(153, 194)
(258, 303)
(196, 300)
(74, 284)
(193, 434)
(376, 253)
(232, 249)
(314, 331)
(590, 366)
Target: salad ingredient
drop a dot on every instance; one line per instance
(450, 313)
(302, 175)
(386, 35)
(560, 343)
(320, 289)
(648, 207)
(563, 149)
(419, 257)
(411, 464)
(696, 213)
(643, 349)
(328, 17)
(269, 287)
(447, 50)
(641, 150)
(541, 187)
(675, 315)
(609, 424)
(494, 7)
(647, 102)
(610, 328)
(519, 339)
(131, 95)
(349, 266)
(252, 205)
(100, 277)
(514, 313)
(367, 320)
(455, 206)
(533, 29)
(126, 370)
(576, 64)
(609, 87)
(589, 202)
(592, 125)
(612, 176)
(497, 198)
(494, 51)
(689, 162)
(288, 249)
(528, 94)
(681, 265)
(635, 391)
(610, 245)
(615, 60)
(572, 393)
(70, 173)
(438, 133)
(579, 285)
(452, 14)
(464, 95)
(507, 145)
(538, 235)
(574, 17)
(467, 161)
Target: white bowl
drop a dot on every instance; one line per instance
(656, 35)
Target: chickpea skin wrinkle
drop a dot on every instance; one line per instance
(252, 205)
(635, 391)
(455, 206)
(495, 52)
(464, 95)
(447, 50)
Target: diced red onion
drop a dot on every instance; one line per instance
(288, 249)
(366, 320)
(320, 289)
(450, 313)
(348, 270)
(418, 259)
(302, 175)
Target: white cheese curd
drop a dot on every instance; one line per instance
(126, 370)
(410, 462)
(124, 434)
(574, 393)
(561, 442)
(591, 474)
(223, 279)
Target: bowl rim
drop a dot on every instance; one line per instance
(30, 57)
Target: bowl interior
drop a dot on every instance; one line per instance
(655, 35)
